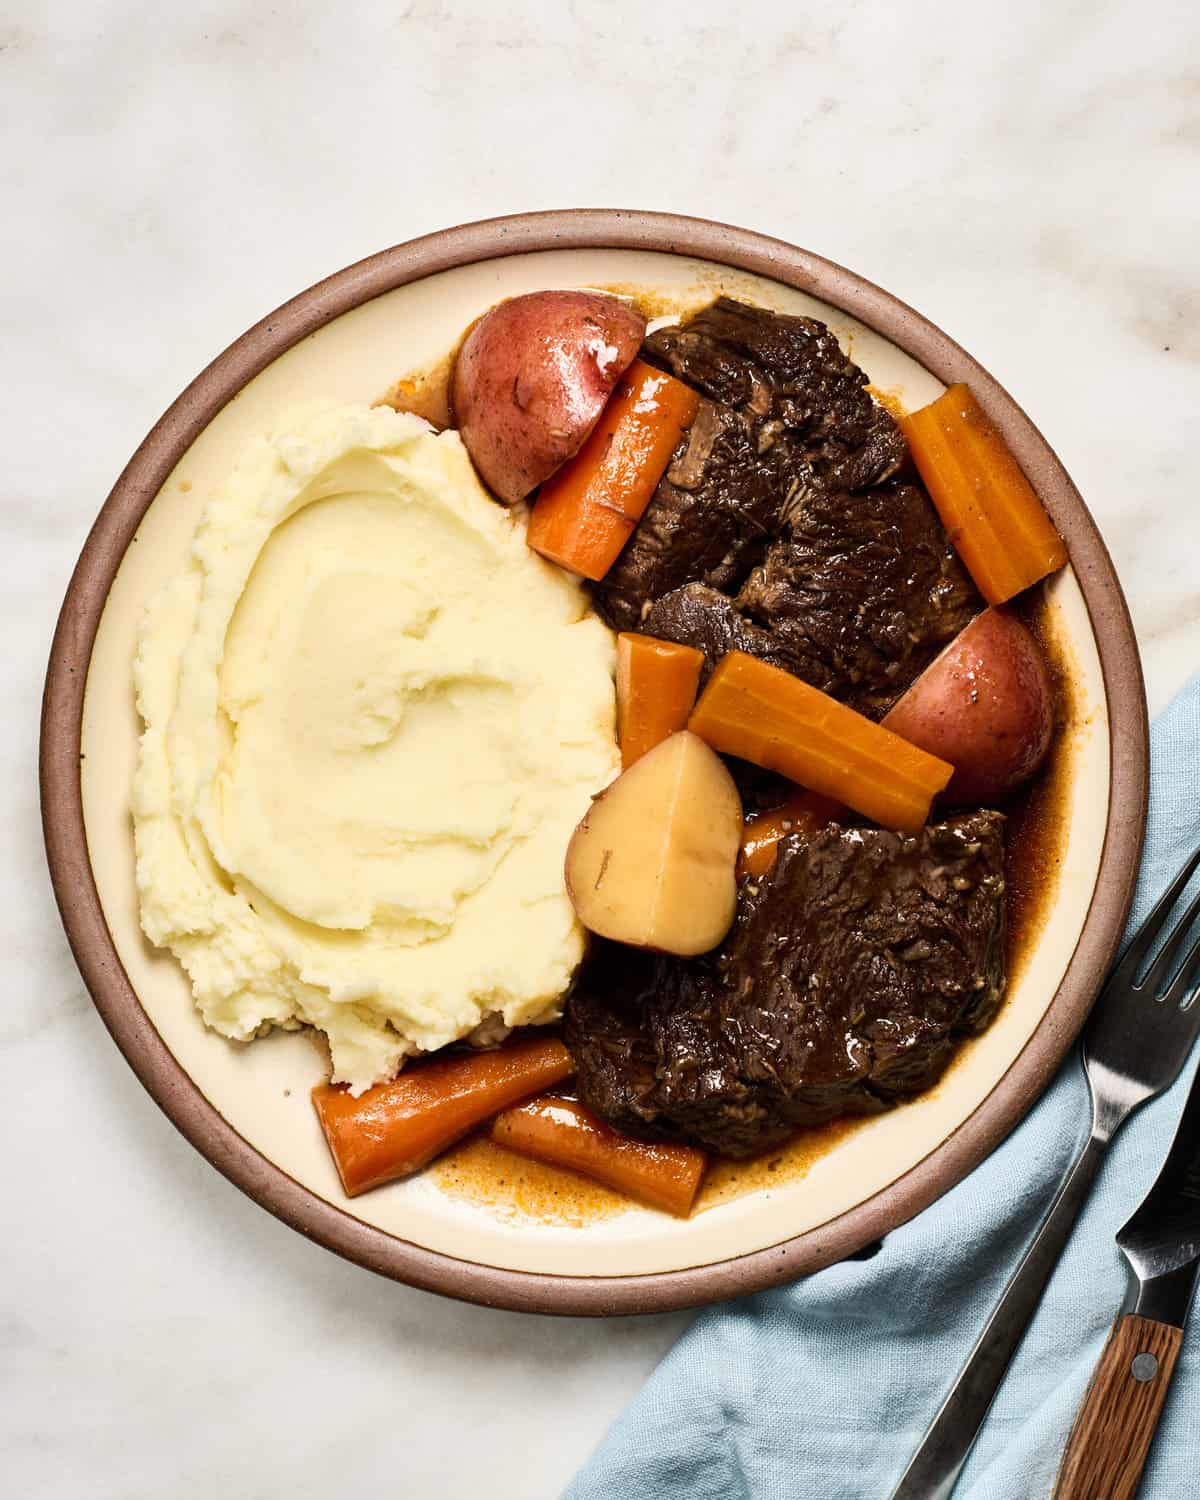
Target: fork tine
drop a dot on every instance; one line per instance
(1186, 984)
(1167, 960)
(1144, 939)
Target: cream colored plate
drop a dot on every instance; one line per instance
(262, 1089)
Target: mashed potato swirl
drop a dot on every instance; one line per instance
(372, 719)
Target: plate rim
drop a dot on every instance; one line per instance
(171, 1086)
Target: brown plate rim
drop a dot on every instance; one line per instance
(168, 1082)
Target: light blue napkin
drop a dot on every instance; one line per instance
(822, 1390)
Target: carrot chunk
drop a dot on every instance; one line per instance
(395, 1128)
(767, 716)
(563, 1133)
(656, 688)
(995, 520)
(585, 511)
(805, 812)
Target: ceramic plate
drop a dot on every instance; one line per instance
(532, 1241)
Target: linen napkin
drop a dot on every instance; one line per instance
(823, 1389)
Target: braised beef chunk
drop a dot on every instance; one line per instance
(857, 598)
(861, 593)
(701, 617)
(791, 375)
(710, 519)
(850, 974)
(786, 414)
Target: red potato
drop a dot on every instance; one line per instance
(532, 378)
(985, 705)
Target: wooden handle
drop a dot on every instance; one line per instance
(1114, 1428)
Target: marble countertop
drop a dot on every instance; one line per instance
(170, 175)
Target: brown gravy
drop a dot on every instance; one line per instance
(515, 1187)
(1034, 840)
(890, 398)
(727, 1180)
(425, 393)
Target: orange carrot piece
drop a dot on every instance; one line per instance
(565, 1134)
(767, 716)
(656, 688)
(585, 511)
(995, 520)
(805, 812)
(395, 1128)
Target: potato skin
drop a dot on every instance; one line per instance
(531, 379)
(986, 705)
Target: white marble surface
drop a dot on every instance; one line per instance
(1026, 176)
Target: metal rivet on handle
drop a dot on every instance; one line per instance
(1144, 1367)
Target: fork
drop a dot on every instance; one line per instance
(1134, 1045)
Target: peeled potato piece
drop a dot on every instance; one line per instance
(652, 864)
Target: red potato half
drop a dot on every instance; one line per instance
(532, 378)
(986, 705)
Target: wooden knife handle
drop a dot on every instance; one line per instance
(1114, 1428)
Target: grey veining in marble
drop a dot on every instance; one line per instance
(1027, 175)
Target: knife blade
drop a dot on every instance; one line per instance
(1161, 1241)
(1110, 1440)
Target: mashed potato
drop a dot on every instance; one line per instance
(372, 719)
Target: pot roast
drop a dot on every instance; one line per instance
(850, 975)
(788, 527)
(777, 530)
(784, 414)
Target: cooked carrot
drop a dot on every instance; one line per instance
(805, 812)
(565, 1134)
(586, 510)
(656, 688)
(994, 518)
(396, 1128)
(767, 716)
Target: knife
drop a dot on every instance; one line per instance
(1115, 1425)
